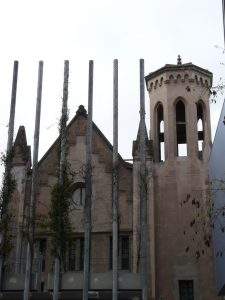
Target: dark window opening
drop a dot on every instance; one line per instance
(110, 253)
(186, 289)
(181, 129)
(76, 255)
(41, 246)
(200, 127)
(42, 286)
(160, 133)
(123, 253)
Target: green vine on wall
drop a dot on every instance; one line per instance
(61, 193)
(8, 188)
(60, 225)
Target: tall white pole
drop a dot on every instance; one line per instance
(62, 167)
(223, 7)
(13, 107)
(143, 188)
(8, 153)
(32, 210)
(88, 187)
(115, 181)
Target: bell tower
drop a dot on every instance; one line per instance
(179, 108)
(181, 136)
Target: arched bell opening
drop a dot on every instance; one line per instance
(181, 143)
(200, 126)
(160, 132)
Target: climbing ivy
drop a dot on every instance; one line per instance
(6, 193)
(60, 225)
(61, 193)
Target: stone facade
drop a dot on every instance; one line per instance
(171, 177)
(177, 176)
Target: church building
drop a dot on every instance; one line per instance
(177, 158)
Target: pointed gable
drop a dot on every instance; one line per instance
(22, 152)
(75, 129)
(148, 144)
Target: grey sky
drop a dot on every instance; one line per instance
(101, 30)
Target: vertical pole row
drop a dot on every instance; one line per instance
(32, 208)
(115, 180)
(143, 188)
(62, 167)
(9, 149)
(88, 187)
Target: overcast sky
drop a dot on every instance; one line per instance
(101, 30)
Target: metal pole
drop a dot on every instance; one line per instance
(223, 7)
(32, 210)
(13, 107)
(115, 181)
(143, 187)
(9, 149)
(88, 187)
(62, 166)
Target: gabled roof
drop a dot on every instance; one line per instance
(82, 113)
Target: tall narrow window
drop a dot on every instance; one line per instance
(160, 132)
(200, 127)
(123, 253)
(181, 129)
(76, 255)
(40, 251)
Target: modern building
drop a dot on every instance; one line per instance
(217, 178)
(177, 152)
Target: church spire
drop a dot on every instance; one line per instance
(179, 60)
(22, 152)
(21, 139)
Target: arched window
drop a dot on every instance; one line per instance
(160, 132)
(181, 129)
(200, 126)
(78, 196)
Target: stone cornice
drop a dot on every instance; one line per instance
(178, 68)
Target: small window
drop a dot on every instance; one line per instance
(186, 289)
(123, 253)
(78, 198)
(76, 255)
